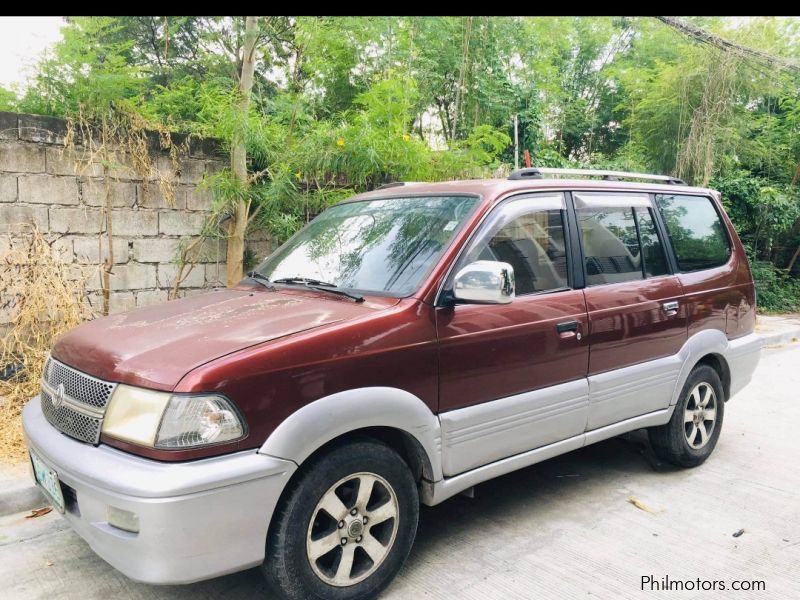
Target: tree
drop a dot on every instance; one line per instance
(339, 105)
(241, 206)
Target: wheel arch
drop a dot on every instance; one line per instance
(707, 347)
(720, 365)
(393, 416)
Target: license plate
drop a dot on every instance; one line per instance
(48, 480)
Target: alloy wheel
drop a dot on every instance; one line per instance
(352, 529)
(700, 415)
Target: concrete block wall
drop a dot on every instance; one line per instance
(45, 183)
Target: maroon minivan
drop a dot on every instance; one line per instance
(404, 346)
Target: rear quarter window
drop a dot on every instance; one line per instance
(696, 231)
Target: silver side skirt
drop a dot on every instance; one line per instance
(432, 493)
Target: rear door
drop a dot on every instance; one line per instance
(513, 376)
(637, 322)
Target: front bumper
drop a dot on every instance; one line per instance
(197, 519)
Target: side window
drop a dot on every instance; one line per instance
(655, 261)
(695, 230)
(529, 234)
(610, 245)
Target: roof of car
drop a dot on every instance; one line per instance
(491, 189)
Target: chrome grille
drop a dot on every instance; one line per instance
(71, 422)
(79, 386)
(73, 402)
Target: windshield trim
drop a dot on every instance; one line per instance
(424, 279)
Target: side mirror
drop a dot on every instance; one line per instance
(485, 282)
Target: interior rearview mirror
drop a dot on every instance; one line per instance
(485, 282)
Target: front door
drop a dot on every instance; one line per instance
(513, 376)
(637, 321)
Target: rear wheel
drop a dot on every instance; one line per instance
(346, 525)
(692, 433)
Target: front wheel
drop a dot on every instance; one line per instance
(692, 433)
(345, 526)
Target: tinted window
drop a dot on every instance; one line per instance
(531, 239)
(695, 230)
(655, 261)
(610, 245)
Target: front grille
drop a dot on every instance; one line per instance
(83, 388)
(70, 421)
(73, 402)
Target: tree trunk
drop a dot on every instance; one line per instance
(794, 260)
(462, 76)
(108, 263)
(238, 223)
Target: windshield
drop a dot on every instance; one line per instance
(384, 246)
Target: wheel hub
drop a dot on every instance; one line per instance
(355, 528)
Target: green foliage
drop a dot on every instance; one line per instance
(341, 105)
(304, 166)
(8, 99)
(762, 213)
(484, 144)
(178, 105)
(87, 72)
(777, 291)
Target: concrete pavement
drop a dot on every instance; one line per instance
(589, 524)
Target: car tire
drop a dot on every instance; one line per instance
(692, 433)
(305, 557)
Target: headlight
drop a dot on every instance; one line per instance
(198, 421)
(171, 421)
(133, 414)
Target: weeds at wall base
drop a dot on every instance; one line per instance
(45, 298)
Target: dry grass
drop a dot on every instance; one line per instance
(44, 298)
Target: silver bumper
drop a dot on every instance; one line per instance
(197, 520)
(743, 355)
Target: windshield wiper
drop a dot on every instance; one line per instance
(263, 280)
(304, 281)
(322, 286)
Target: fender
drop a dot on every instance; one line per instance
(321, 421)
(708, 341)
(740, 354)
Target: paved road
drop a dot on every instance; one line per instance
(561, 529)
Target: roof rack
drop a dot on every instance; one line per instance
(539, 172)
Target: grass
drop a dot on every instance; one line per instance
(45, 298)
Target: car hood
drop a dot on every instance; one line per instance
(156, 346)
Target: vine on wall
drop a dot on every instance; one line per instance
(121, 142)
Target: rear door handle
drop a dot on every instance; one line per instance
(671, 308)
(567, 326)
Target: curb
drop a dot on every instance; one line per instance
(22, 496)
(779, 338)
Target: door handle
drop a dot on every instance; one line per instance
(671, 308)
(567, 326)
